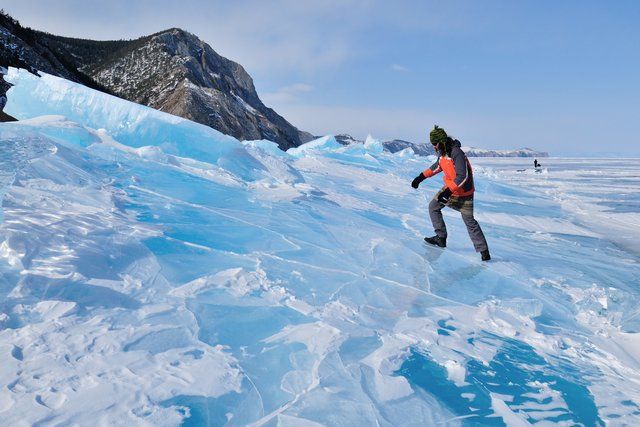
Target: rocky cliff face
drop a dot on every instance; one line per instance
(176, 72)
(172, 71)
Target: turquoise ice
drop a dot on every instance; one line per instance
(155, 271)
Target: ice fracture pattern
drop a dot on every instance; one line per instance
(156, 272)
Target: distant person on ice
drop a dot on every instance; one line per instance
(457, 192)
(535, 163)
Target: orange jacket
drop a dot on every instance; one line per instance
(458, 175)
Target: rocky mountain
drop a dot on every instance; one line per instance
(521, 152)
(392, 146)
(346, 139)
(400, 144)
(396, 145)
(25, 48)
(173, 71)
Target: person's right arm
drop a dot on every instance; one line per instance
(434, 169)
(429, 172)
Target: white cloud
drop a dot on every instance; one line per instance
(399, 68)
(286, 93)
(265, 37)
(276, 35)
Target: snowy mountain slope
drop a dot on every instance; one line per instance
(151, 276)
(173, 71)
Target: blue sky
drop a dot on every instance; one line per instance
(561, 76)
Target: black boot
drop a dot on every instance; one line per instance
(485, 255)
(437, 241)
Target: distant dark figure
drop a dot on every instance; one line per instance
(535, 163)
(457, 192)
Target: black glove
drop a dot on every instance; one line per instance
(444, 196)
(417, 180)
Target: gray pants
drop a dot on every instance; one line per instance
(464, 205)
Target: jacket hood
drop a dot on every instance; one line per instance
(452, 144)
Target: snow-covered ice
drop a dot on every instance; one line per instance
(157, 272)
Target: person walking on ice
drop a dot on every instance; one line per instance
(457, 192)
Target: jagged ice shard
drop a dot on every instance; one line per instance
(157, 272)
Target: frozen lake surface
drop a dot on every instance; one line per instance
(157, 272)
(603, 194)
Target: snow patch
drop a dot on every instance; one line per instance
(234, 280)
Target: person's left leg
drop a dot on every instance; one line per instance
(464, 205)
(475, 233)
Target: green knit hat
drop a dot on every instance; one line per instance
(438, 135)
